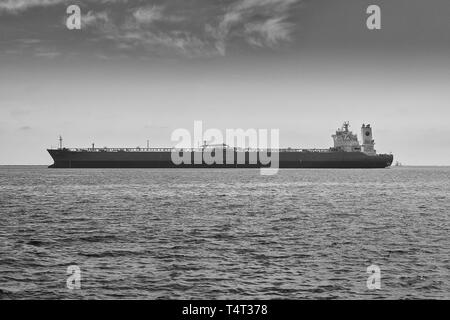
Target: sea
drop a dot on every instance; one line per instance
(224, 233)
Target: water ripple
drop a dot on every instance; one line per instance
(224, 234)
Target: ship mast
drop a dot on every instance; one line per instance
(60, 142)
(345, 126)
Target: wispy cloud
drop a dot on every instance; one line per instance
(48, 54)
(94, 19)
(156, 30)
(261, 23)
(148, 14)
(268, 33)
(153, 13)
(198, 28)
(176, 42)
(258, 22)
(15, 6)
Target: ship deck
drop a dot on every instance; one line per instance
(188, 149)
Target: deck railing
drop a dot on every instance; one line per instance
(188, 149)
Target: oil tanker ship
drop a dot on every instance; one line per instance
(347, 152)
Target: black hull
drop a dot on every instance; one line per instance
(332, 159)
(137, 165)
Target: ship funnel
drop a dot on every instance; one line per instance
(367, 140)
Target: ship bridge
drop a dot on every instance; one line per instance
(345, 140)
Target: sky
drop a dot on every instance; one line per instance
(138, 70)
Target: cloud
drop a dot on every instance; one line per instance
(15, 6)
(261, 23)
(268, 33)
(277, 5)
(48, 54)
(181, 43)
(167, 37)
(258, 22)
(198, 28)
(148, 14)
(94, 19)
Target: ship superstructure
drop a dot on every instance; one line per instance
(345, 140)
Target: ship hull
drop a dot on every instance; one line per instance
(299, 159)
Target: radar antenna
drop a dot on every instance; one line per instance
(345, 126)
